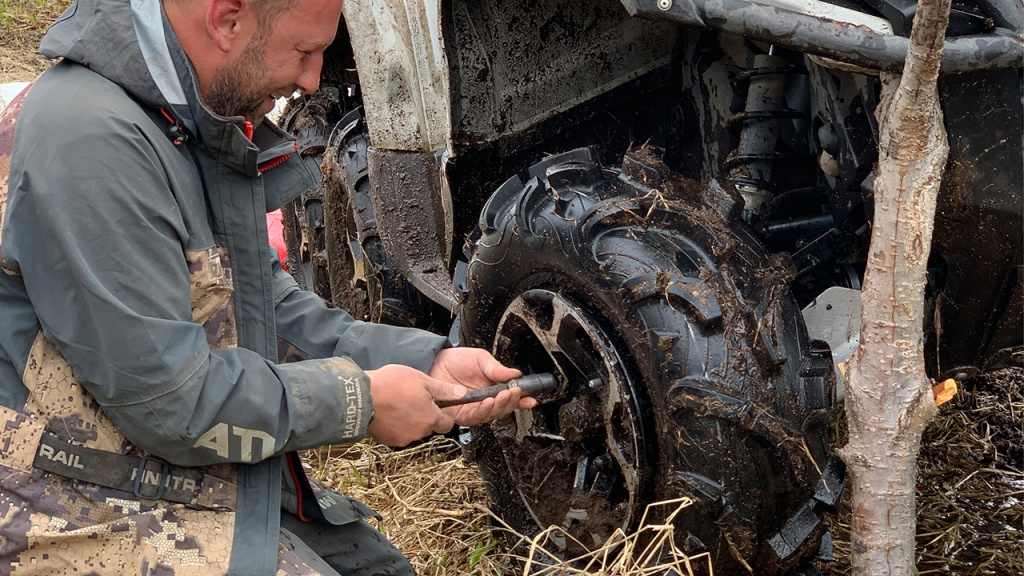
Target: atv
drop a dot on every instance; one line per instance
(666, 204)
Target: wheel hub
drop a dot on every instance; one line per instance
(577, 460)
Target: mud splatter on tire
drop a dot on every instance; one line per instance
(390, 298)
(686, 368)
(316, 221)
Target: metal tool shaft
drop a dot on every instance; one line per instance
(531, 385)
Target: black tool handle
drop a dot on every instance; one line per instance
(531, 385)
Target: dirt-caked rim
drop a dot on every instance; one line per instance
(586, 441)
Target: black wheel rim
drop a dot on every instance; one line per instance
(577, 460)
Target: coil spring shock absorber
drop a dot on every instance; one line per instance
(750, 165)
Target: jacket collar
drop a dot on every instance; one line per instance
(153, 68)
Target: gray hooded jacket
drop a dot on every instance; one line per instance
(142, 310)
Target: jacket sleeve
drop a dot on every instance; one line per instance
(99, 238)
(307, 328)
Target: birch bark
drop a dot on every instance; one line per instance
(889, 398)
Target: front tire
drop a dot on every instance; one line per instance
(683, 359)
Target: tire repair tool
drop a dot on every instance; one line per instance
(531, 385)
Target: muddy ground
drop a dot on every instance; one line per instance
(971, 484)
(970, 498)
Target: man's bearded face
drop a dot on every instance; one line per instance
(241, 88)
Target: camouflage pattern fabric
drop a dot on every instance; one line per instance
(19, 440)
(50, 524)
(47, 520)
(212, 292)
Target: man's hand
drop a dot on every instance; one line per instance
(403, 405)
(476, 368)
(403, 397)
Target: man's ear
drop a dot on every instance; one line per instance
(226, 21)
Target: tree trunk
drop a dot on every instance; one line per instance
(889, 398)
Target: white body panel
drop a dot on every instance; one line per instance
(403, 72)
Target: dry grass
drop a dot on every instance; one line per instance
(649, 551)
(970, 503)
(22, 23)
(18, 68)
(433, 504)
(435, 510)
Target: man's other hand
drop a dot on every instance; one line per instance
(403, 405)
(476, 368)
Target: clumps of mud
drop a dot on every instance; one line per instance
(970, 486)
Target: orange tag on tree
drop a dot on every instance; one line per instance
(944, 391)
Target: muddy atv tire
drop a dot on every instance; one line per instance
(353, 231)
(686, 369)
(320, 217)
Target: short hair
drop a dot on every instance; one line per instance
(267, 11)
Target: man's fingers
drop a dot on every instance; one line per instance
(493, 370)
(480, 412)
(441, 390)
(496, 371)
(486, 410)
(444, 422)
(474, 368)
(528, 403)
(507, 401)
(403, 403)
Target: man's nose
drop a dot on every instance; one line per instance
(309, 80)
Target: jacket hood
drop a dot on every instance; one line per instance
(131, 43)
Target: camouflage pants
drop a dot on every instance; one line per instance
(126, 537)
